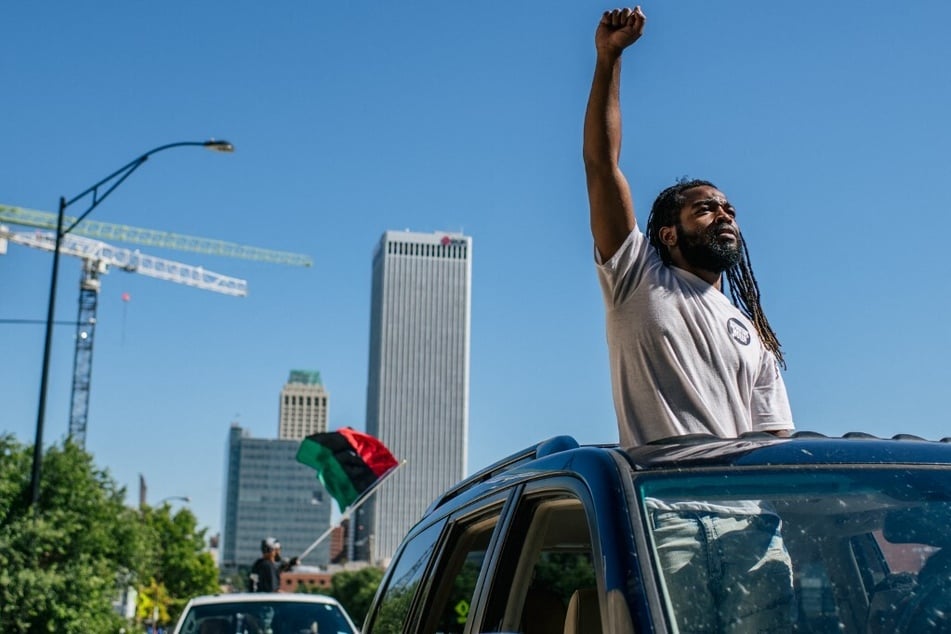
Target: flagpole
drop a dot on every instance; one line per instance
(353, 507)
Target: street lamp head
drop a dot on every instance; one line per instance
(184, 498)
(219, 146)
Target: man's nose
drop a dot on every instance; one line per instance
(723, 215)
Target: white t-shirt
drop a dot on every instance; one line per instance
(684, 359)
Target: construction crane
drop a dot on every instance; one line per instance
(148, 237)
(98, 256)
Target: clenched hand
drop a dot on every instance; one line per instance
(619, 29)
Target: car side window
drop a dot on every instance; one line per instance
(458, 573)
(546, 575)
(407, 577)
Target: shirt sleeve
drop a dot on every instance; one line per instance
(620, 274)
(770, 407)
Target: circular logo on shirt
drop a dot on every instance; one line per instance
(738, 331)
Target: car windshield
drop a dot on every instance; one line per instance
(265, 617)
(846, 550)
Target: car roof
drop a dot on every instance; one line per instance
(801, 448)
(262, 597)
(704, 450)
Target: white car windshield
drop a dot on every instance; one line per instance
(264, 617)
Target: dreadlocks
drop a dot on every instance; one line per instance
(744, 290)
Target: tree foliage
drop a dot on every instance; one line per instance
(61, 558)
(153, 602)
(65, 560)
(178, 561)
(354, 589)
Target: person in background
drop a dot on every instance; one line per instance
(266, 571)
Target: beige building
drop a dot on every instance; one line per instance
(304, 406)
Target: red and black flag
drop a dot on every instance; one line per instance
(348, 462)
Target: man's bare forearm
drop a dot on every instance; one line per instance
(602, 123)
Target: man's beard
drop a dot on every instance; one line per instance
(705, 250)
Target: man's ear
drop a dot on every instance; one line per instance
(668, 236)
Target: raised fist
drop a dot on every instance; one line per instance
(619, 29)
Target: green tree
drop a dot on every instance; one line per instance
(152, 603)
(354, 589)
(179, 561)
(61, 559)
(65, 560)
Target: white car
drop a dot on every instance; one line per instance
(264, 613)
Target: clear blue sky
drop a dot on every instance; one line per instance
(826, 124)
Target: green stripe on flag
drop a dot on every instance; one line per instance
(329, 471)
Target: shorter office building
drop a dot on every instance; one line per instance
(304, 407)
(269, 494)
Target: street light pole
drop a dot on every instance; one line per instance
(116, 178)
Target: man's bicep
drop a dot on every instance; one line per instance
(612, 209)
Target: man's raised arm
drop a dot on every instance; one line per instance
(609, 196)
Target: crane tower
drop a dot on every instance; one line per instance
(97, 258)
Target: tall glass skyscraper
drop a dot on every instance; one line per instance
(418, 383)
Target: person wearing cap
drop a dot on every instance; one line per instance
(266, 571)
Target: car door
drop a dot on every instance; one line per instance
(547, 575)
(433, 580)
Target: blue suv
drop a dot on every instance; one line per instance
(559, 538)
